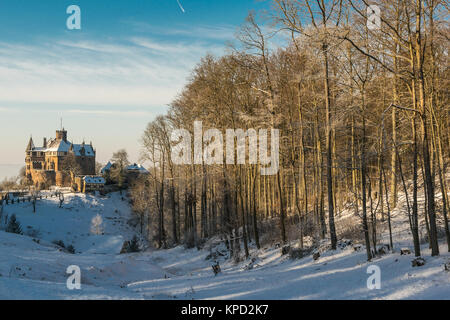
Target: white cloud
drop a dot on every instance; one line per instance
(112, 112)
(185, 50)
(220, 33)
(3, 109)
(86, 94)
(132, 72)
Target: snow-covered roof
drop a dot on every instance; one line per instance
(94, 180)
(57, 145)
(136, 167)
(106, 168)
(88, 150)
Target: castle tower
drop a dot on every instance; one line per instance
(61, 135)
(30, 145)
(28, 161)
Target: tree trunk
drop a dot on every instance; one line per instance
(329, 142)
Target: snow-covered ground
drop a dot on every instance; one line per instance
(32, 267)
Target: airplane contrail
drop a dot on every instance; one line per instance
(181, 7)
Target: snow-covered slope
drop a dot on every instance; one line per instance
(336, 275)
(72, 222)
(31, 267)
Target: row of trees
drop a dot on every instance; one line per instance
(361, 113)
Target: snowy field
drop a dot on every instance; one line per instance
(32, 267)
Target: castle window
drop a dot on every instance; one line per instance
(37, 165)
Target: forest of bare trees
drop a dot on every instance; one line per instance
(363, 116)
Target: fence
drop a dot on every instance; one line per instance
(7, 199)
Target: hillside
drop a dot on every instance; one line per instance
(32, 267)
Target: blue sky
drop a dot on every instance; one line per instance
(109, 79)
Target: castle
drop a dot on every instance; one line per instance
(54, 163)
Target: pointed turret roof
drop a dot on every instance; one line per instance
(106, 168)
(30, 145)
